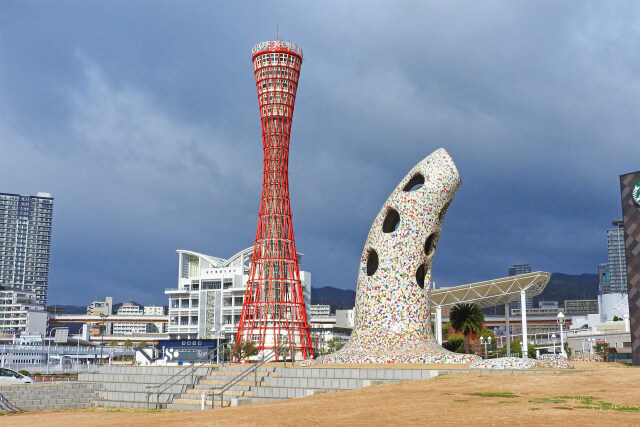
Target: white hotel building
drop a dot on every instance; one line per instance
(208, 300)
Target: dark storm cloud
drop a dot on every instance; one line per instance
(141, 119)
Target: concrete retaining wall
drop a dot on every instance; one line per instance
(67, 395)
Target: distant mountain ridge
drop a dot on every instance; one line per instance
(561, 287)
(338, 299)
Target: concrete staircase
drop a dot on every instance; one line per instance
(278, 383)
(126, 386)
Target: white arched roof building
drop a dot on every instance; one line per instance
(208, 300)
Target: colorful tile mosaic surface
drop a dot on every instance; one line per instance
(587, 358)
(393, 294)
(520, 363)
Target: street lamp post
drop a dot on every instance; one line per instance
(485, 342)
(553, 337)
(49, 347)
(561, 321)
(216, 335)
(591, 342)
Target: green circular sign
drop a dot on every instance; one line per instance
(635, 194)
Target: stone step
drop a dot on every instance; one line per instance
(123, 396)
(232, 374)
(235, 387)
(198, 402)
(142, 388)
(223, 382)
(138, 379)
(230, 392)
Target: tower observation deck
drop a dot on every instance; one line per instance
(273, 312)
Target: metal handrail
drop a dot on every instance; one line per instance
(181, 373)
(221, 389)
(8, 406)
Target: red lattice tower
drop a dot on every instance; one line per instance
(273, 311)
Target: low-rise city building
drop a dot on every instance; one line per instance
(97, 308)
(20, 313)
(208, 300)
(580, 307)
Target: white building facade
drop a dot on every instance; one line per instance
(20, 314)
(208, 300)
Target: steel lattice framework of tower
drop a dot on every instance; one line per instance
(273, 311)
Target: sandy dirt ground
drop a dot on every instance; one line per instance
(594, 394)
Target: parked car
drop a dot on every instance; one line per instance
(9, 376)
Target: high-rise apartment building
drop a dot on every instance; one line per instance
(617, 262)
(604, 279)
(514, 270)
(25, 242)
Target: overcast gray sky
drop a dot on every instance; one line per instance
(141, 117)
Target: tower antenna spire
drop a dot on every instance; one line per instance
(277, 30)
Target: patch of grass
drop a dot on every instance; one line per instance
(534, 409)
(613, 407)
(585, 402)
(508, 401)
(495, 394)
(446, 393)
(547, 400)
(563, 407)
(460, 400)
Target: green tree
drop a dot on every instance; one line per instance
(333, 345)
(128, 344)
(516, 348)
(243, 349)
(454, 342)
(445, 329)
(467, 319)
(113, 343)
(599, 348)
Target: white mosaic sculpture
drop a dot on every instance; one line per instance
(393, 295)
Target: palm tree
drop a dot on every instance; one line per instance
(466, 318)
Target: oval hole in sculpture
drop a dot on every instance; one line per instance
(443, 211)
(391, 221)
(372, 262)
(428, 244)
(414, 183)
(420, 276)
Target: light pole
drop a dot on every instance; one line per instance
(216, 335)
(485, 342)
(591, 342)
(553, 337)
(49, 347)
(561, 321)
(102, 319)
